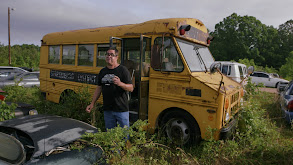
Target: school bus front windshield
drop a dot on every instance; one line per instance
(198, 57)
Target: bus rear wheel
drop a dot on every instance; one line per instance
(181, 128)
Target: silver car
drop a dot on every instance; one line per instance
(27, 79)
(266, 79)
(6, 71)
(286, 102)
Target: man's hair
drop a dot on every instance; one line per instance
(114, 48)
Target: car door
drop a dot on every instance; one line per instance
(30, 80)
(264, 78)
(272, 81)
(255, 78)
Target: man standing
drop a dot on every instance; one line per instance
(114, 82)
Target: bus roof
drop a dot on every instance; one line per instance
(197, 32)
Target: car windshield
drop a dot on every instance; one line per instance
(274, 75)
(198, 57)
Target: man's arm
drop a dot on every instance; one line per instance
(96, 96)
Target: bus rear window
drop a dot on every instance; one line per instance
(54, 54)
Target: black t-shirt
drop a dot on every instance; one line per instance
(114, 97)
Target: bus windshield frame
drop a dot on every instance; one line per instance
(197, 57)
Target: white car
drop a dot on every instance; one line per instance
(266, 79)
(236, 71)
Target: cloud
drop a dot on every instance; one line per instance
(32, 19)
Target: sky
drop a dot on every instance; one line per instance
(32, 19)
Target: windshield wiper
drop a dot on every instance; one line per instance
(200, 58)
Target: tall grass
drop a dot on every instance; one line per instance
(262, 136)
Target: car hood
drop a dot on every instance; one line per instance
(48, 132)
(282, 80)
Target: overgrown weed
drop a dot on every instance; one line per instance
(262, 136)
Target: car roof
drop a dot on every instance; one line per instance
(231, 62)
(48, 132)
(12, 67)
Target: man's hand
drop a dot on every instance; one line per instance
(127, 87)
(89, 108)
(117, 81)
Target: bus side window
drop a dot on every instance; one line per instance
(101, 55)
(68, 56)
(54, 54)
(85, 55)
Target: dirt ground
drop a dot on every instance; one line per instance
(270, 90)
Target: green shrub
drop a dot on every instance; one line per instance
(286, 70)
(22, 94)
(139, 149)
(73, 105)
(6, 111)
(262, 136)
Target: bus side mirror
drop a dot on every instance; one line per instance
(156, 57)
(214, 67)
(250, 70)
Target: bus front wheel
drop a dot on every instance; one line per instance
(181, 128)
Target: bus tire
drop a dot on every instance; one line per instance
(181, 128)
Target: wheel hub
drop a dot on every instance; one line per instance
(178, 131)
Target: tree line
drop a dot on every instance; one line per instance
(245, 38)
(21, 55)
(236, 38)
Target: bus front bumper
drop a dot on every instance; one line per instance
(227, 131)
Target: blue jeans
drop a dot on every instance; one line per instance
(111, 118)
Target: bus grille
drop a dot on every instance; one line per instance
(235, 102)
(234, 97)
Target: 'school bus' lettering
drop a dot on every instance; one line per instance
(74, 76)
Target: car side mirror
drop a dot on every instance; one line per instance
(214, 67)
(250, 70)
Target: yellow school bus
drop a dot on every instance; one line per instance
(178, 87)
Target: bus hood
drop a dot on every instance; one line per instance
(217, 81)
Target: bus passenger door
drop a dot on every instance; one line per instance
(145, 54)
(136, 58)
